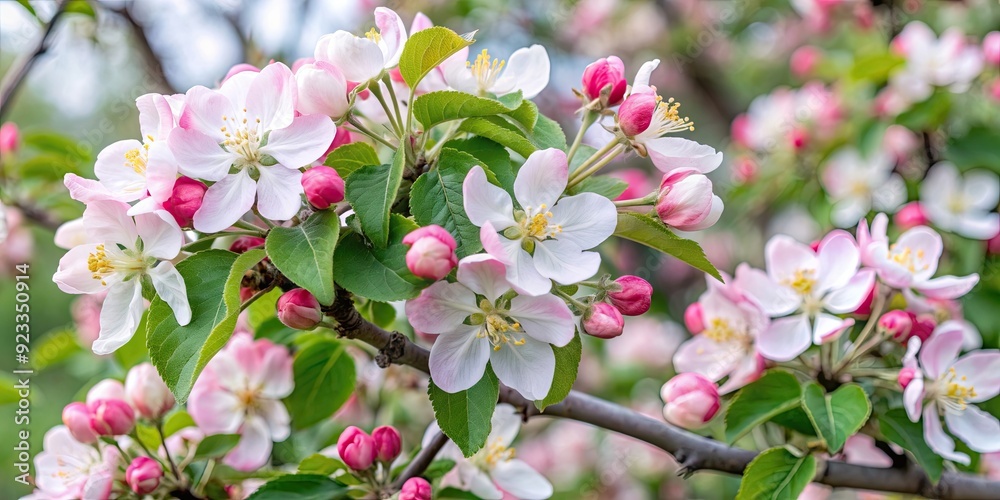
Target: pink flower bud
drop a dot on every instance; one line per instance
(686, 201)
(899, 142)
(185, 200)
(609, 72)
(432, 252)
(910, 215)
(993, 245)
(111, 417)
(799, 139)
(865, 309)
(415, 488)
(143, 475)
(146, 391)
(906, 376)
(923, 326)
(603, 320)
(690, 400)
(76, 417)
(388, 443)
(636, 113)
(896, 323)
(991, 48)
(239, 68)
(106, 389)
(740, 130)
(322, 89)
(634, 296)
(245, 243)
(804, 60)
(745, 170)
(299, 309)
(694, 319)
(10, 138)
(323, 186)
(356, 448)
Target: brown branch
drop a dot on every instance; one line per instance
(17, 73)
(419, 464)
(154, 66)
(692, 451)
(38, 215)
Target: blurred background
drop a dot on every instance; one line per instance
(830, 57)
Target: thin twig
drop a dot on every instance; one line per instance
(17, 73)
(154, 65)
(419, 463)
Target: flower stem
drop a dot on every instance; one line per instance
(166, 451)
(242, 224)
(596, 156)
(615, 151)
(377, 92)
(589, 117)
(270, 225)
(220, 235)
(366, 131)
(857, 349)
(576, 303)
(638, 202)
(395, 103)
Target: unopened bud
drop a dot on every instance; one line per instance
(299, 309)
(634, 296)
(690, 400)
(323, 187)
(185, 200)
(603, 320)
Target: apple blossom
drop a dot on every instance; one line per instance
(361, 59)
(605, 73)
(527, 71)
(240, 391)
(356, 448)
(811, 284)
(512, 334)
(245, 243)
(323, 186)
(644, 118)
(694, 318)
(804, 60)
(772, 119)
(686, 202)
(432, 252)
(963, 204)
(945, 385)
(603, 320)
(263, 144)
(493, 471)
(185, 200)
(322, 90)
(388, 443)
(143, 475)
(120, 253)
(108, 388)
(68, 469)
(856, 185)
(690, 400)
(415, 488)
(632, 295)
(147, 392)
(933, 62)
(546, 238)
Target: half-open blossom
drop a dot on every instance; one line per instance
(68, 469)
(934, 62)
(965, 204)
(856, 184)
(810, 284)
(546, 237)
(246, 138)
(143, 475)
(432, 252)
(299, 309)
(415, 488)
(686, 201)
(527, 70)
(493, 471)
(240, 392)
(147, 392)
(605, 73)
(946, 385)
(76, 417)
(323, 186)
(388, 443)
(356, 448)
(896, 323)
(364, 58)
(322, 89)
(185, 199)
(690, 400)
(644, 118)
(512, 334)
(121, 252)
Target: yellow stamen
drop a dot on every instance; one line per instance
(486, 70)
(802, 281)
(99, 265)
(136, 159)
(373, 35)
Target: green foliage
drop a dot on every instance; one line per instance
(898, 429)
(774, 393)
(371, 190)
(438, 107)
(491, 154)
(776, 474)
(427, 49)
(466, 416)
(836, 416)
(928, 114)
(301, 487)
(320, 464)
(977, 148)
(216, 446)
(500, 131)
(652, 233)
(567, 366)
(436, 198)
(304, 253)
(177, 421)
(324, 381)
(604, 185)
(350, 157)
(378, 273)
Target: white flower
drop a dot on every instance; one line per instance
(546, 238)
(493, 470)
(513, 334)
(931, 61)
(527, 70)
(966, 205)
(856, 184)
(910, 262)
(118, 254)
(69, 469)
(361, 59)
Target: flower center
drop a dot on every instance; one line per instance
(666, 119)
(906, 257)
(243, 138)
(802, 281)
(486, 70)
(952, 391)
(493, 454)
(136, 158)
(719, 330)
(957, 204)
(101, 265)
(536, 224)
(499, 328)
(374, 36)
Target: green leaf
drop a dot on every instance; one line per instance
(54, 348)
(48, 167)
(176, 421)
(491, 154)
(180, 353)
(875, 67)
(426, 49)
(263, 309)
(897, 428)
(567, 365)
(216, 446)
(8, 393)
(371, 190)
(466, 416)
(928, 114)
(350, 157)
(548, 134)
(500, 131)
(438, 468)
(836, 416)
(380, 313)
(436, 198)
(324, 381)
(59, 145)
(977, 148)
(80, 7)
(652, 233)
(774, 393)
(776, 474)
(304, 253)
(433, 108)
(796, 420)
(604, 185)
(276, 331)
(301, 487)
(378, 273)
(148, 436)
(526, 113)
(320, 464)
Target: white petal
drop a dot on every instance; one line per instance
(74, 275)
(941, 350)
(786, 338)
(890, 195)
(785, 257)
(847, 211)
(516, 477)
(827, 328)
(587, 219)
(279, 191)
(980, 369)
(521, 272)
(941, 443)
(505, 424)
(160, 238)
(169, 285)
(358, 58)
(947, 287)
(271, 97)
(199, 155)
(546, 318)
(302, 142)
(458, 361)
(485, 202)
(670, 153)
(225, 202)
(253, 450)
(563, 261)
(774, 299)
(485, 275)
(527, 70)
(707, 357)
(481, 485)
(913, 397)
(120, 316)
(441, 308)
(276, 416)
(110, 223)
(71, 234)
(119, 177)
(838, 261)
(849, 297)
(526, 368)
(979, 430)
(393, 33)
(541, 180)
(641, 82)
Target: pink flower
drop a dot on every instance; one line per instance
(147, 392)
(323, 186)
(899, 142)
(240, 68)
(603, 320)
(991, 48)
(910, 216)
(76, 416)
(185, 200)
(223, 131)
(809, 285)
(356, 448)
(804, 60)
(745, 170)
(322, 90)
(686, 201)
(10, 138)
(605, 73)
(68, 469)
(512, 334)
(933, 62)
(432, 252)
(415, 488)
(633, 296)
(690, 400)
(240, 391)
(947, 385)
(856, 184)
(388, 443)
(143, 475)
